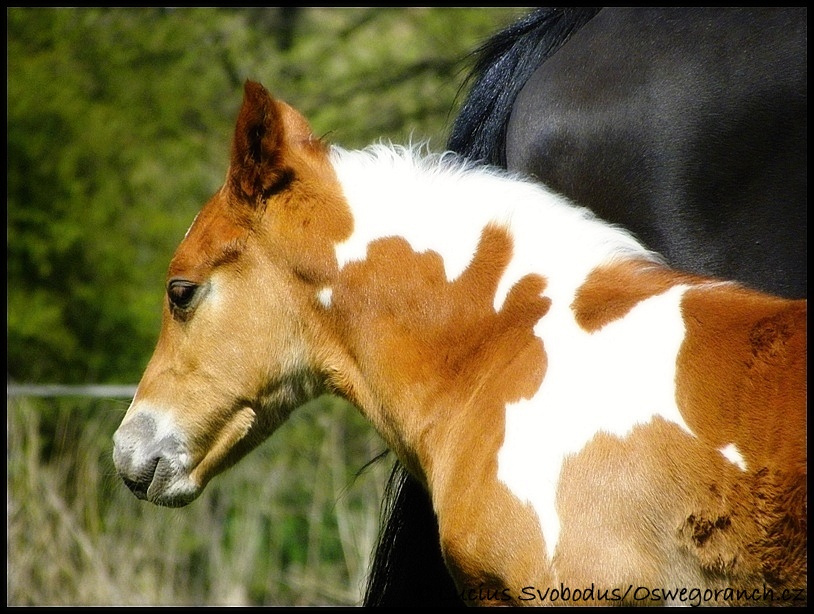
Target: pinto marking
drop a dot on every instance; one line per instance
(608, 380)
(730, 453)
(325, 297)
(562, 395)
(540, 227)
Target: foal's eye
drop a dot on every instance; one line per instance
(181, 293)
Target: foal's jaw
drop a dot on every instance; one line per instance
(167, 454)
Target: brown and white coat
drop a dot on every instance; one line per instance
(585, 418)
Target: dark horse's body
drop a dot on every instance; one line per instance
(685, 125)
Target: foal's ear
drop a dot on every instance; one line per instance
(264, 128)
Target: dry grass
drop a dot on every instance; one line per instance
(289, 525)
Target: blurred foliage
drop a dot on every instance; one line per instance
(293, 526)
(119, 122)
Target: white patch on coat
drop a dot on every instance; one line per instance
(730, 452)
(604, 381)
(324, 296)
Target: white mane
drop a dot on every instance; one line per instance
(442, 202)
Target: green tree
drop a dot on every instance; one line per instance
(106, 162)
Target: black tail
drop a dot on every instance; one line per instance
(503, 65)
(408, 568)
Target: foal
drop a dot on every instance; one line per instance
(592, 426)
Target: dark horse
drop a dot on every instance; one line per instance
(685, 125)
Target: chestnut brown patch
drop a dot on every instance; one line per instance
(612, 290)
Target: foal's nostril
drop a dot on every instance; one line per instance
(140, 483)
(137, 453)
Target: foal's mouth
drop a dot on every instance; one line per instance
(154, 483)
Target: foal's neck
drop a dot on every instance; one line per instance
(447, 272)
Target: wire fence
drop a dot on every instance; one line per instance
(98, 391)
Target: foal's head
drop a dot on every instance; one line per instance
(234, 354)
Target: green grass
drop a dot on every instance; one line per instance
(291, 524)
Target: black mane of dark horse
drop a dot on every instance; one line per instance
(685, 125)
